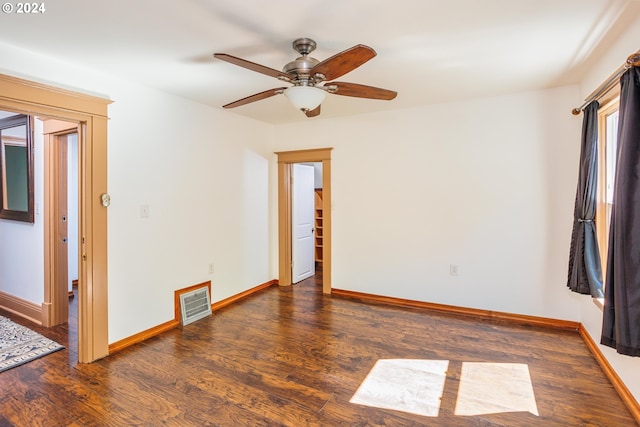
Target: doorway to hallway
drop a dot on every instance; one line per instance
(61, 208)
(90, 114)
(286, 160)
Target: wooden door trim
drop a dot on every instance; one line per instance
(285, 160)
(90, 113)
(55, 297)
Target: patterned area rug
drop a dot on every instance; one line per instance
(19, 345)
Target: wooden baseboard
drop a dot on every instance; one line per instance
(74, 285)
(225, 302)
(615, 380)
(142, 336)
(22, 308)
(474, 312)
(157, 330)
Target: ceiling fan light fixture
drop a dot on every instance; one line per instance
(312, 79)
(305, 98)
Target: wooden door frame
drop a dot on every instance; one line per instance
(90, 113)
(285, 160)
(56, 299)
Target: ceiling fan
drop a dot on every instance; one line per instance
(311, 78)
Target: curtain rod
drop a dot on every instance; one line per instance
(632, 61)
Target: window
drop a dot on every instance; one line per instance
(607, 149)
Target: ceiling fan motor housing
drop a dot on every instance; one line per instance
(302, 65)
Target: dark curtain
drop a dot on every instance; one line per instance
(585, 271)
(621, 321)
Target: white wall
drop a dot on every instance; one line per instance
(204, 173)
(483, 184)
(72, 208)
(317, 176)
(628, 368)
(204, 176)
(22, 243)
(487, 184)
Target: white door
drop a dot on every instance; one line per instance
(302, 206)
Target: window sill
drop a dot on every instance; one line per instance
(599, 302)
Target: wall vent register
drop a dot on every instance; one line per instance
(195, 305)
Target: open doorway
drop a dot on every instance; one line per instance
(307, 220)
(41, 180)
(61, 228)
(286, 160)
(89, 113)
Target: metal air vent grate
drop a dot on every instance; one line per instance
(195, 305)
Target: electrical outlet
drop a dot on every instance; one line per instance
(453, 269)
(211, 268)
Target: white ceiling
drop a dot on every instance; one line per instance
(429, 51)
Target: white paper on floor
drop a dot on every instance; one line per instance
(488, 388)
(407, 385)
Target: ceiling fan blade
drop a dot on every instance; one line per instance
(362, 91)
(256, 97)
(252, 66)
(343, 62)
(313, 113)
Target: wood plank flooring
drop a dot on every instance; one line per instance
(295, 357)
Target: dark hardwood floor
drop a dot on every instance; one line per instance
(295, 357)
